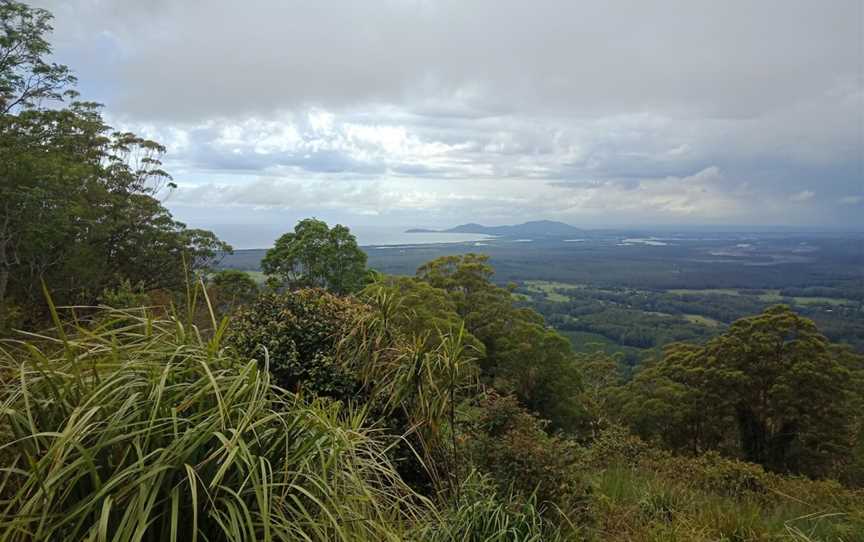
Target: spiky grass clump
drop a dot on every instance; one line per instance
(141, 429)
(484, 514)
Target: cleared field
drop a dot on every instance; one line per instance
(716, 291)
(257, 276)
(837, 301)
(768, 296)
(703, 320)
(550, 289)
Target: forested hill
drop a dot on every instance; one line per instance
(534, 228)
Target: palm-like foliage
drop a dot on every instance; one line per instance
(423, 379)
(142, 429)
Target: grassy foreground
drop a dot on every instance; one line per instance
(142, 429)
(135, 427)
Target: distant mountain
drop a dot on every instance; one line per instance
(536, 228)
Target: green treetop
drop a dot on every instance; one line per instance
(314, 255)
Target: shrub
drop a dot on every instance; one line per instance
(616, 446)
(511, 445)
(297, 334)
(125, 295)
(141, 429)
(231, 288)
(484, 514)
(712, 472)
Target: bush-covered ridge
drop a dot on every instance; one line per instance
(123, 425)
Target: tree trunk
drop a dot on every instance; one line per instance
(5, 264)
(4, 283)
(754, 436)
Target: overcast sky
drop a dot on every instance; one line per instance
(431, 113)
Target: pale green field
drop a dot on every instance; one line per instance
(768, 296)
(703, 320)
(549, 289)
(823, 301)
(719, 291)
(771, 296)
(257, 276)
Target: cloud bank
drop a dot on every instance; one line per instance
(437, 112)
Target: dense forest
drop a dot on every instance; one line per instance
(146, 395)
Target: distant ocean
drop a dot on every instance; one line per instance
(402, 238)
(263, 235)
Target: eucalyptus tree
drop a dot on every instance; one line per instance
(79, 202)
(771, 389)
(521, 354)
(315, 255)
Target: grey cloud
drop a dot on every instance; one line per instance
(729, 59)
(638, 110)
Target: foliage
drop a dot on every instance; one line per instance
(146, 430)
(79, 205)
(641, 493)
(25, 76)
(601, 375)
(484, 514)
(416, 382)
(296, 334)
(513, 447)
(418, 309)
(414, 411)
(314, 255)
(522, 355)
(662, 502)
(230, 289)
(769, 390)
(125, 296)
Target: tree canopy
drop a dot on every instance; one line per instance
(770, 390)
(79, 202)
(315, 255)
(522, 354)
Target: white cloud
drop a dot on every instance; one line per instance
(490, 110)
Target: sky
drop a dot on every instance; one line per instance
(420, 113)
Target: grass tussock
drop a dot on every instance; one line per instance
(143, 429)
(642, 494)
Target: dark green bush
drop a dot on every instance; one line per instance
(511, 445)
(297, 335)
(616, 446)
(229, 289)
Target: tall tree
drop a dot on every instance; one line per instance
(791, 394)
(771, 389)
(79, 207)
(26, 78)
(314, 255)
(522, 355)
(231, 289)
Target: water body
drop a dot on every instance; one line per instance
(649, 241)
(389, 237)
(253, 236)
